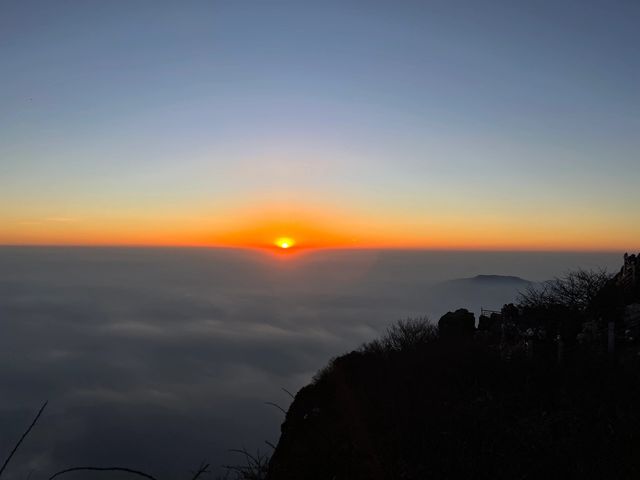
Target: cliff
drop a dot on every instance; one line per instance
(448, 402)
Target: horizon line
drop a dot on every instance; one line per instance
(319, 249)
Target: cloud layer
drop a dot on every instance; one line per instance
(159, 358)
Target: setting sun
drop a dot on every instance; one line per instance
(285, 242)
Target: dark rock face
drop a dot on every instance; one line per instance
(530, 394)
(490, 324)
(447, 413)
(622, 290)
(329, 431)
(457, 325)
(631, 319)
(628, 279)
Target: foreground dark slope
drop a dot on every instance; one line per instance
(454, 402)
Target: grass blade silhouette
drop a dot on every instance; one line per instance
(24, 435)
(102, 469)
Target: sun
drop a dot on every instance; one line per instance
(284, 242)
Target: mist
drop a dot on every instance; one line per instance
(158, 359)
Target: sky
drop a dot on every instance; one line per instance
(432, 124)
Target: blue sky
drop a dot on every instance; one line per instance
(454, 112)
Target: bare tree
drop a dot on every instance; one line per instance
(403, 335)
(575, 290)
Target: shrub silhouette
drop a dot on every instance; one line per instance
(404, 335)
(576, 290)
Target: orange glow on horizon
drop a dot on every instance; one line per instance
(301, 227)
(285, 228)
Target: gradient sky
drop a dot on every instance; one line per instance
(436, 124)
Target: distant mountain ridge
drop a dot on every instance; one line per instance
(492, 280)
(482, 291)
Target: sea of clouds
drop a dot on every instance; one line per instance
(158, 359)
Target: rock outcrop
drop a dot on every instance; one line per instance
(458, 325)
(628, 279)
(467, 403)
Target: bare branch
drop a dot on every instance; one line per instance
(24, 435)
(103, 469)
(250, 458)
(575, 290)
(204, 468)
(255, 468)
(277, 406)
(288, 393)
